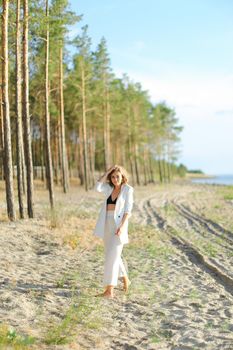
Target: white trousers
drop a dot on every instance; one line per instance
(113, 265)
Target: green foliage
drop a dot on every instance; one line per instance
(195, 171)
(228, 196)
(182, 170)
(80, 312)
(9, 336)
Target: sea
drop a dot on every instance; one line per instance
(215, 180)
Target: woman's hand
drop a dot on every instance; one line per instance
(110, 169)
(105, 175)
(119, 230)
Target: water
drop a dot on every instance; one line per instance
(217, 180)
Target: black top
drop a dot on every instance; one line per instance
(110, 201)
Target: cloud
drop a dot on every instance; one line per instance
(214, 92)
(178, 83)
(204, 107)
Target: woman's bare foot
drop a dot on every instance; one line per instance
(108, 293)
(126, 283)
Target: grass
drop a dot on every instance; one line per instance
(225, 192)
(210, 249)
(79, 313)
(62, 281)
(200, 241)
(228, 197)
(60, 333)
(71, 240)
(162, 251)
(210, 324)
(149, 239)
(165, 333)
(155, 339)
(194, 294)
(61, 214)
(206, 247)
(55, 217)
(169, 209)
(225, 326)
(9, 337)
(73, 227)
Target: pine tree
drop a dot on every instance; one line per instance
(19, 130)
(26, 115)
(49, 166)
(103, 76)
(8, 169)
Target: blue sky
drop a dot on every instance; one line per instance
(182, 52)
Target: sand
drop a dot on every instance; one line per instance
(179, 260)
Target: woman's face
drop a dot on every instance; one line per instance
(116, 178)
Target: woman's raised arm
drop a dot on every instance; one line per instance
(102, 185)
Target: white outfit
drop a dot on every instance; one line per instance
(113, 264)
(124, 204)
(106, 226)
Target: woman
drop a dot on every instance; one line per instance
(112, 225)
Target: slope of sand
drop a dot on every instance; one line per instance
(179, 260)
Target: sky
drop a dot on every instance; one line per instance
(181, 51)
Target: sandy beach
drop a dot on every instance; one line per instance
(180, 260)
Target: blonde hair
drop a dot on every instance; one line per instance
(121, 170)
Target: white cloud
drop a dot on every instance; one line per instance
(212, 92)
(204, 106)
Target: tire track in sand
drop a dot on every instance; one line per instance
(190, 251)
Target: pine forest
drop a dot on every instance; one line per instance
(65, 116)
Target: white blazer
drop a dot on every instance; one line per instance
(124, 204)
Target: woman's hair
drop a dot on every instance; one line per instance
(123, 173)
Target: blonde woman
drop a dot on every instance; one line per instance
(112, 225)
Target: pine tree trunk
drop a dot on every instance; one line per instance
(24, 169)
(42, 144)
(26, 116)
(160, 171)
(164, 170)
(92, 155)
(76, 157)
(132, 168)
(56, 157)
(106, 110)
(135, 144)
(19, 131)
(136, 164)
(130, 148)
(168, 171)
(144, 167)
(151, 169)
(62, 126)
(69, 160)
(86, 168)
(49, 165)
(8, 169)
(60, 151)
(81, 158)
(1, 135)
(108, 129)
(171, 169)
